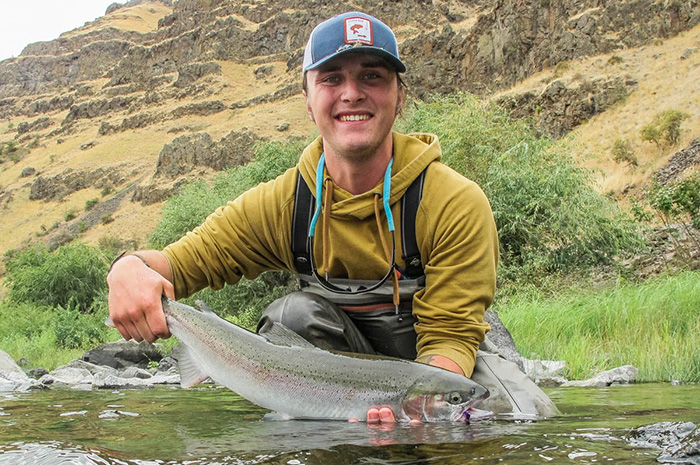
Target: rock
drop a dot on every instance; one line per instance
(123, 354)
(679, 163)
(67, 375)
(545, 372)
(186, 152)
(499, 340)
(167, 363)
(37, 373)
(283, 127)
(12, 377)
(622, 375)
(26, 172)
(135, 372)
(37, 125)
(679, 441)
(189, 73)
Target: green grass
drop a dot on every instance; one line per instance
(654, 326)
(47, 337)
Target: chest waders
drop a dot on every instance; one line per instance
(322, 311)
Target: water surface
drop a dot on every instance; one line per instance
(212, 425)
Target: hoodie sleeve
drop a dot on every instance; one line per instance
(460, 250)
(245, 237)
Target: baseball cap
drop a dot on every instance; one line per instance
(352, 31)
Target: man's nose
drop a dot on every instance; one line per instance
(352, 91)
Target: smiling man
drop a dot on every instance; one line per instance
(358, 187)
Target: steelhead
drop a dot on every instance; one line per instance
(281, 371)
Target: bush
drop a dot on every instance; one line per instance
(70, 215)
(548, 215)
(72, 276)
(666, 126)
(679, 201)
(77, 330)
(90, 204)
(623, 152)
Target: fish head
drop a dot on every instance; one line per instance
(442, 396)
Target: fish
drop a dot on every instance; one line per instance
(282, 372)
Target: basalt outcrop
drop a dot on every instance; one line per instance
(106, 83)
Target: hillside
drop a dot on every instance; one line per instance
(121, 112)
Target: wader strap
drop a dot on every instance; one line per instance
(409, 244)
(303, 210)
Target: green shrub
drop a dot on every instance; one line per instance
(90, 204)
(549, 217)
(666, 126)
(77, 330)
(678, 201)
(73, 275)
(623, 152)
(70, 215)
(106, 190)
(615, 60)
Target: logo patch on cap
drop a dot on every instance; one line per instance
(358, 31)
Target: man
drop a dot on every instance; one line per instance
(357, 294)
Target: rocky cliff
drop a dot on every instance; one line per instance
(124, 99)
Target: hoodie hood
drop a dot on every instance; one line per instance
(416, 151)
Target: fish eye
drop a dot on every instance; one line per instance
(454, 398)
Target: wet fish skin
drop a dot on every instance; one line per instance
(283, 372)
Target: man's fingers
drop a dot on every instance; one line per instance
(382, 415)
(156, 323)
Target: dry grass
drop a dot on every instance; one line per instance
(665, 82)
(140, 18)
(663, 78)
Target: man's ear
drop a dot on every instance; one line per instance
(308, 106)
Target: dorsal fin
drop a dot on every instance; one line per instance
(280, 335)
(203, 306)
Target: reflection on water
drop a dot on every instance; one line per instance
(212, 425)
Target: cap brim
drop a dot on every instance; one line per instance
(398, 64)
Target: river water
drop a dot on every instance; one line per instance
(212, 425)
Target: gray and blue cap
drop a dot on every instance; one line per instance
(352, 31)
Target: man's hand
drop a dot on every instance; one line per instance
(136, 286)
(385, 416)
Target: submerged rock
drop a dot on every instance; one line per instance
(679, 441)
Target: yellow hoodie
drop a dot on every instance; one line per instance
(455, 232)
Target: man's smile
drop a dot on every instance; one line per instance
(363, 117)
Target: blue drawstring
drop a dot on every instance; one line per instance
(319, 192)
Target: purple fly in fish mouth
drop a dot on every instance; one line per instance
(443, 396)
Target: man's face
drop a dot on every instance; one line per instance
(353, 99)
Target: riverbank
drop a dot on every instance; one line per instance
(653, 325)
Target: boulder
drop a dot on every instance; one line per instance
(621, 375)
(12, 377)
(123, 354)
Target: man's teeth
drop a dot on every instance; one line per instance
(354, 117)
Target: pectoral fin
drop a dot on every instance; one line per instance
(191, 373)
